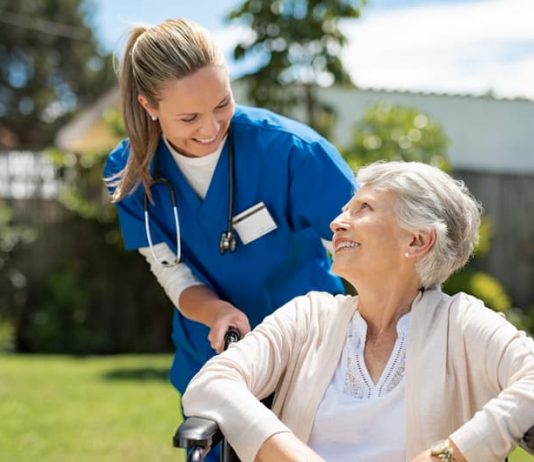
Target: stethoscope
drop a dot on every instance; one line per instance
(228, 241)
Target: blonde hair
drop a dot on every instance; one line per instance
(154, 56)
(428, 198)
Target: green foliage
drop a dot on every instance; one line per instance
(296, 44)
(7, 334)
(485, 233)
(11, 233)
(51, 66)
(12, 279)
(392, 132)
(59, 322)
(83, 192)
(480, 285)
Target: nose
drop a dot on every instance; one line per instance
(338, 223)
(210, 127)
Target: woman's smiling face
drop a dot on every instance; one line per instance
(368, 240)
(194, 112)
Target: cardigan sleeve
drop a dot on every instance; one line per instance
(505, 362)
(228, 388)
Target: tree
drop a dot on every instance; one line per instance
(296, 44)
(390, 132)
(50, 66)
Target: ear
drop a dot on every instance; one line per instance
(143, 101)
(421, 243)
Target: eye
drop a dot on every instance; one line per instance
(365, 205)
(189, 119)
(223, 104)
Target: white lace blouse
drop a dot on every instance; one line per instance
(359, 420)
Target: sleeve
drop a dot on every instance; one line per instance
(321, 183)
(507, 364)
(228, 388)
(173, 279)
(130, 209)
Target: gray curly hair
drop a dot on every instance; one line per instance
(428, 198)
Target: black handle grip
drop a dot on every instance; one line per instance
(232, 335)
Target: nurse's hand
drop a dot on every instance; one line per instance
(202, 304)
(226, 316)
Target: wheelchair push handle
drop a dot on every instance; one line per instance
(232, 335)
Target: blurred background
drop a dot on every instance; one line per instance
(84, 327)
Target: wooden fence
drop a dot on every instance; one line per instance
(509, 201)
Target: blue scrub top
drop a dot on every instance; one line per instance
(296, 173)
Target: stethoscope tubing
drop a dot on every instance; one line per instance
(228, 240)
(172, 195)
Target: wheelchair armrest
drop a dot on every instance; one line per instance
(197, 432)
(527, 442)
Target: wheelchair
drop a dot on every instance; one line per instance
(198, 435)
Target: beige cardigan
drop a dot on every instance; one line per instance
(469, 375)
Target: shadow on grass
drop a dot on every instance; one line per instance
(138, 373)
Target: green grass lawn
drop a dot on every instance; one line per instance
(104, 409)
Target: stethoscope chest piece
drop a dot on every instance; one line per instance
(228, 242)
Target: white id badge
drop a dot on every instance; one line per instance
(253, 223)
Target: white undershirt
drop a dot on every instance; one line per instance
(358, 420)
(198, 172)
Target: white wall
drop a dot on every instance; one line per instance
(485, 134)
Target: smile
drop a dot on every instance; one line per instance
(206, 140)
(346, 245)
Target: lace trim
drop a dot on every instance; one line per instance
(356, 383)
(396, 372)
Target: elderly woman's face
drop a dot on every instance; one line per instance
(367, 238)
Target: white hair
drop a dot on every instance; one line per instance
(428, 198)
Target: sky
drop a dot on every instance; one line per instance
(444, 46)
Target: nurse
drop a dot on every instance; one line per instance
(228, 204)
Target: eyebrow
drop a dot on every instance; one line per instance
(358, 200)
(226, 97)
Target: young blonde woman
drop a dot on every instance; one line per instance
(230, 205)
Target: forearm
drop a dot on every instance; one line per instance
(456, 453)
(201, 304)
(286, 447)
(173, 279)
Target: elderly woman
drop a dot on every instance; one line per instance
(400, 372)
